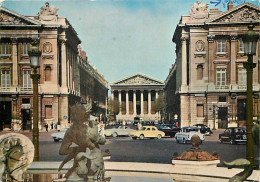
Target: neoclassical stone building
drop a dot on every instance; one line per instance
(207, 83)
(137, 94)
(60, 82)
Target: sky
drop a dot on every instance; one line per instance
(123, 37)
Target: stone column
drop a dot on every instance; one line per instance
(184, 61)
(119, 99)
(142, 102)
(127, 102)
(64, 64)
(156, 94)
(233, 59)
(134, 100)
(15, 62)
(149, 102)
(211, 58)
(112, 94)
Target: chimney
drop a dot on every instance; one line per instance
(230, 5)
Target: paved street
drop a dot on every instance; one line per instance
(148, 150)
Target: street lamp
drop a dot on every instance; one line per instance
(35, 59)
(250, 40)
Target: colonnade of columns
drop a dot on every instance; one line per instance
(136, 101)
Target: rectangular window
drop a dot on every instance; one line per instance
(221, 76)
(25, 100)
(26, 47)
(241, 76)
(4, 48)
(222, 99)
(5, 78)
(240, 46)
(27, 81)
(221, 45)
(48, 111)
(200, 109)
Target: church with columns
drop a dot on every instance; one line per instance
(137, 94)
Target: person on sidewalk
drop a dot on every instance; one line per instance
(46, 126)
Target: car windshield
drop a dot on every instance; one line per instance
(239, 130)
(144, 128)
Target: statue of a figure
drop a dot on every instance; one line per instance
(48, 12)
(199, 10)
(88, 160)
(16, 155)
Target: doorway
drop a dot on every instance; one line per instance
(223, 116)
(26, 119)
(5, 114)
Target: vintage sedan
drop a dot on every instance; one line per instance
(204, 129)
(184, 136)
(169, 129)
(118, 131)
(59, 135)
(147, 132)
(233, 135)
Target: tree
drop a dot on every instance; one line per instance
(159, 104)
(113, 106)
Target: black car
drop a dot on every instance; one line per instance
(204, 129)
(168, 129)
(233, 135)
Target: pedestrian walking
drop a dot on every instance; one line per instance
(46, 126)
(52, 125)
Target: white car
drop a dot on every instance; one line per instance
(184, 136)
(59, 135)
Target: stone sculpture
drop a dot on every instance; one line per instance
(199, 10)
(16, 155)
(195, 154)
(48, 13)
(88, 159)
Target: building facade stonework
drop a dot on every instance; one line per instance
(207, 83)
(137, 95)
(59, 84)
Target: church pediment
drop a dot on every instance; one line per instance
(8, 17)
(243, 13)
(138, 79)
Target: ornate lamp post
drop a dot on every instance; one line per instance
(35, 58)
(250, 41)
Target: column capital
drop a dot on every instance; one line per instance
(233, 37)
(184, 39)
(63, 41)
(211, 38)
(14, 40)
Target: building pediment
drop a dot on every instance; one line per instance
(8, 17)
(243, 13)
(137, 79)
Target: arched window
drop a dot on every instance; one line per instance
(47, 73)
(199, 72)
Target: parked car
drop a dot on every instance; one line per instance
(59, 135)
(168, 129)
(184, 136)
(147, 132)
(118, 131)
(204, 129)
(233, 135)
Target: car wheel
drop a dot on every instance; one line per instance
(184, 141)
(159, 136)
(114, 134)
(221, 141)
(56, 140)
(141, 137)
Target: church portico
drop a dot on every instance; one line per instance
(136, 95)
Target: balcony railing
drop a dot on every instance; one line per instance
(222, 87)
(8, 89)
